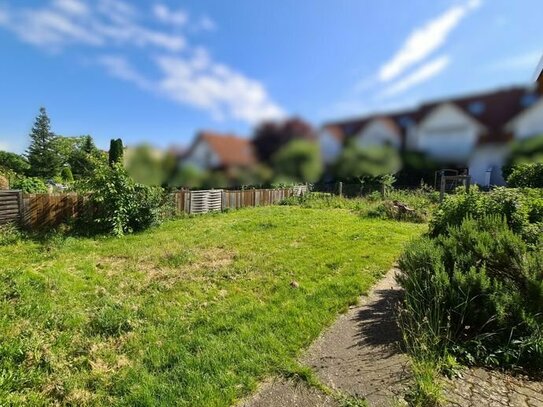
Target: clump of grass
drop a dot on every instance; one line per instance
(177, 259)
(10, 234)
(426, 390)
(112, 319)
(297, 372)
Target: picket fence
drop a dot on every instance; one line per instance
(45, 211)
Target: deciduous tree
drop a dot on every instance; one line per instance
(13, 162)
(298, 161)
(270, 137)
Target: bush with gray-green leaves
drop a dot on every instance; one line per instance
(474, 285)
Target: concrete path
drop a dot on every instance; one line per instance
(359, 356)
(286, 393)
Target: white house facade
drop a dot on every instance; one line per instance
(447, 134)
(202, 156)
(529, 123)
(473, 132)
(211, 151)
(330, 145)
(379, 132)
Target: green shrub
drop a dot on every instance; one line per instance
(66, 175)
(118, 205)
(476, 292)
(30, 185)
(528, 175)
(522, 208)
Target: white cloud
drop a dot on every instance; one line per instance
(423, 41)
(421, 75)
(216, 88)
(119, 67)
(206, 24)
(72, 22)
(165, 15)
(75, 7)
(200, 82)
(186, 74)
(117, 10)
(48, 28)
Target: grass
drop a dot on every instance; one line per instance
(422, 202)
(193, 313)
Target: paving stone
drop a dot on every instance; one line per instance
(494, 389)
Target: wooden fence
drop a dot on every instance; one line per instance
(44, 211)
(217, 199)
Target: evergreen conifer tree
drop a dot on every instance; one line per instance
(42, 153)
(115, 151)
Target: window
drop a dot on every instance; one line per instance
(476, 108)
(528, 100)
(405, 121)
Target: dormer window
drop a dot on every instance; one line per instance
(528, 100)
(476, 108)
(405, 121)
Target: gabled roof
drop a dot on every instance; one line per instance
(232, 150)
(398, 121)
(539, 74)
(493, 110)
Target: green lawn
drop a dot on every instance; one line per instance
(194, 313)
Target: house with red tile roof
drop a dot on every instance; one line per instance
(216, 151)
(471, 131)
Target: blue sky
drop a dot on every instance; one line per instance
(157, 71)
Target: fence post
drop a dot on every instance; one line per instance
(21, 207)
(340, 189)
(442, 187)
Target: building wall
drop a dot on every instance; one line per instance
(530, 123)
(330, 147)
(377, 134)
(486, 162)
(447, 134)
(202, 156)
